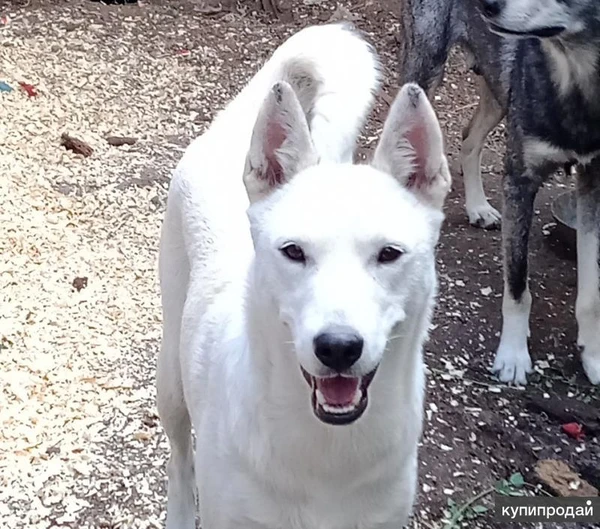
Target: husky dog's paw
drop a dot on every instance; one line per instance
(591, 364)
(484, 216)
(512, 365)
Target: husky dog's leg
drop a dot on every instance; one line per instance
(588, 267)
(521, 185)
(488, 114)
(172, 409)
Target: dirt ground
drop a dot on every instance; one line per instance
(80, 444)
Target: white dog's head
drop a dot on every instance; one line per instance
(539, 18)
(343, 248)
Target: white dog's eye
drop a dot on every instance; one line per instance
(389, 254)
(293, 252)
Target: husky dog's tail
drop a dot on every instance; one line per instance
(429, 28)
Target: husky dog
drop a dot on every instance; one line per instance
(297, 292)
(539, 65)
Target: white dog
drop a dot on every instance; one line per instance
(296, 306)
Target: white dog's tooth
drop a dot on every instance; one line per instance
(357, 397)
(338, 409)
(320, 398)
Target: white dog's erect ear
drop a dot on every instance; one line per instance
(412, 147)
(281, 144)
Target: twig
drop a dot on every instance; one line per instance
(476, 382)
(538, 489)
(465, 107)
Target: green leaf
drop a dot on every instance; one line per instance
(455, 511)
(479, 509)
(517, 480)
(502, 487)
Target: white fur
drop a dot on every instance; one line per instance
(528, 15)
(570, 68)
(239, 319)
(588, 301)
(575, 70)
(487, 116)
(512, 361)
(538, 151)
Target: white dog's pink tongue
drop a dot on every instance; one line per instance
(338, 391)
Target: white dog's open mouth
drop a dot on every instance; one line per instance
(339, 399)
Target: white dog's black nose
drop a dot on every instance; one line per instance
(338, 348)
(492, 8)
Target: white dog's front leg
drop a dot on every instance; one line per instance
(181, 503)
(588, 269)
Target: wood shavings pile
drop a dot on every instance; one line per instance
(80, 443)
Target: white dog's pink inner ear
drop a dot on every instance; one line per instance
(276, 135)
(418, 139)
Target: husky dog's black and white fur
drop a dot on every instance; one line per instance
(539, 64)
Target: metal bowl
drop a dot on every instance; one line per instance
(564, 211)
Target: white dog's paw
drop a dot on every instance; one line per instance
(512, 365)
(484, 216)
(591, 365)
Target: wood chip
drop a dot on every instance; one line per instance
(118, 141)
(79, 283)
(76, 145)
(343, 13)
